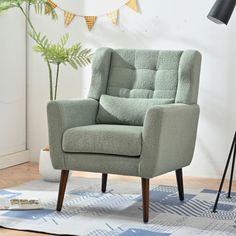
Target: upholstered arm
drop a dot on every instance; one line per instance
(63, 115)
(169, 136)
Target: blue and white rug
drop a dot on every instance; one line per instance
(92, 213)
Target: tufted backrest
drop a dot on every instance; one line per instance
(144, 74)
(147, 77)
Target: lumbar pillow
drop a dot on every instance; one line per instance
(127, 111)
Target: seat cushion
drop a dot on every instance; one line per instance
(107, 139)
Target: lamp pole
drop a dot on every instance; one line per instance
(220, 13)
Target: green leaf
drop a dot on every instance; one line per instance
(73, 64)
(64, 39)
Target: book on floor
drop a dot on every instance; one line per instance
(20, 204)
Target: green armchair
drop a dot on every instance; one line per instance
(140, 118)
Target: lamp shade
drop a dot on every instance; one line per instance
(221, 11)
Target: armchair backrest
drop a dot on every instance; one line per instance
(130, 81)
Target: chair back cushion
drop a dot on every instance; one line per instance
(129, 82)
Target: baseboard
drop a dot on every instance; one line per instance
(14, 159)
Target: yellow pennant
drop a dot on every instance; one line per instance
(113, 15)
(90, 20)
(133, 5)
(49, 5)
(68, 17)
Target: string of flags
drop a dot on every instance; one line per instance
(90, 20)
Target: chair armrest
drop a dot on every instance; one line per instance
(63, 115)
(169, 136)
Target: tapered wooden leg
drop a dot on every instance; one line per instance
(145, 193)
(104, 182)
(62, 188)
(179, 178)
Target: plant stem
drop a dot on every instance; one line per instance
(39, 43)
(50, 81)
(27, 18)
(57, 76)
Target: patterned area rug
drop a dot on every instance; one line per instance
(89, 212)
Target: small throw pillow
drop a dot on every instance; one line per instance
(127, 111)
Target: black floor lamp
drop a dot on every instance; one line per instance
(220, 14)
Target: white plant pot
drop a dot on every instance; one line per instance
(46, 169)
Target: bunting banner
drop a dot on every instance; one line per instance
(90, 20)
(113, 15)
(133, 5)
(68, 17)
(49, 6)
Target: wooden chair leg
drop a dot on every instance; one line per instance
(145, 193)
(179, 178)
(104, 182)
(62, 188)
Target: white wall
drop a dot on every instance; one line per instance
(169, 24)
(12, 83)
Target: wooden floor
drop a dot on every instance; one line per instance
(22, 173)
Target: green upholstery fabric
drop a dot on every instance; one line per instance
(100, 68)
(189, 73)
(156, 90)
(107, 139)
(161, 76)
(102, 163)
(63, 115)
(174, 128)
(116, 110)
(144, 73)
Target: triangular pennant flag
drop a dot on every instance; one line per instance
(68, 17)
(49, 5)
(90, 20)
(133, 5)
(113, 15)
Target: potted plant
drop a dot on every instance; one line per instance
(57, 54)
(54, 55)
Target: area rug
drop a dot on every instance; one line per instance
(88, 212)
